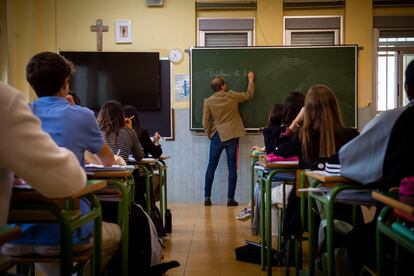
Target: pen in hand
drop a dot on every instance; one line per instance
(128, 121)
(119, 151)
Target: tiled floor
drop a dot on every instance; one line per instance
(203, 240)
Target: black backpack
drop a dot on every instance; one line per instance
(156, 218)
(140, 198)
(145, 250)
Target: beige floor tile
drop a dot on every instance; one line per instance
(206, 266)
(201, 273)
(204, 239)
(204, 260)
(175, 272)
(236, 266)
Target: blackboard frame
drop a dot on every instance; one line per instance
(195, 97)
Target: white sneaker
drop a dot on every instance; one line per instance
(245, 214)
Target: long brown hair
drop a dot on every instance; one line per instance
(322, 116)
(111, 119)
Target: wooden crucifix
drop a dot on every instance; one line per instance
(99, 28)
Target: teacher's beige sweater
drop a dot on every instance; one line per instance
(221, 113)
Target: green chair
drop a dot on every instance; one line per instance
(27, 206)
(402, 238)
(337, 184)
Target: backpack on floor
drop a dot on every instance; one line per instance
(144, 246)
(250, 253)
(156, 218)
(140, 198)
(145, 250)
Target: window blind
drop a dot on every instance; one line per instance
(226, 39)
(312, 38)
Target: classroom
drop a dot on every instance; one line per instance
(358, 48)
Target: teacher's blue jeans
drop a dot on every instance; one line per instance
(216, 147)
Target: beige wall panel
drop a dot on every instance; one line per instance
(358, 30)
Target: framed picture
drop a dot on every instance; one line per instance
(123, 31)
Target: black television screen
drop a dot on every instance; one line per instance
(130, 77)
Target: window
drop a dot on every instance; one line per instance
(394, 54)
(312, 30)
(222, 32)
(395, 49)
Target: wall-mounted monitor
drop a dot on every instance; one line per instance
(132, 78)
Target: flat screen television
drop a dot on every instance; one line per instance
(132, 78)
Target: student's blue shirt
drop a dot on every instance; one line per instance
(70, 126)
(75, 128)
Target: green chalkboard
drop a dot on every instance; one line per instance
(278, 70)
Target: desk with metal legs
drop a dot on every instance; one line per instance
(338, 184)
(124, 182)
(267, 175)
(162, 169)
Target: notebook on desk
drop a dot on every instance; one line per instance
(146, 159)
(94, 167)
(286, 162)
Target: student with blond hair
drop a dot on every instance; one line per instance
(318, 131)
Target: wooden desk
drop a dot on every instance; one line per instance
(268, 171)
(394, 202)
(110, 174)
(69, 219)
(164, 157)
(328, 179)
(339, 183)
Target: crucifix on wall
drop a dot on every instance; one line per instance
(99, 28)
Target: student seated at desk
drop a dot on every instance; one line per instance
(76, 129)
(118, 131)
(32, 155)
(387, 142)
(318, 131)
(279, 118)
(150, 146)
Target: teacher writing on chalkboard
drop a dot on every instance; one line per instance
(223, 125)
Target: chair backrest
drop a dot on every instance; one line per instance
(300, 176)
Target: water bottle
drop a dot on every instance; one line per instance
(168, 221)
